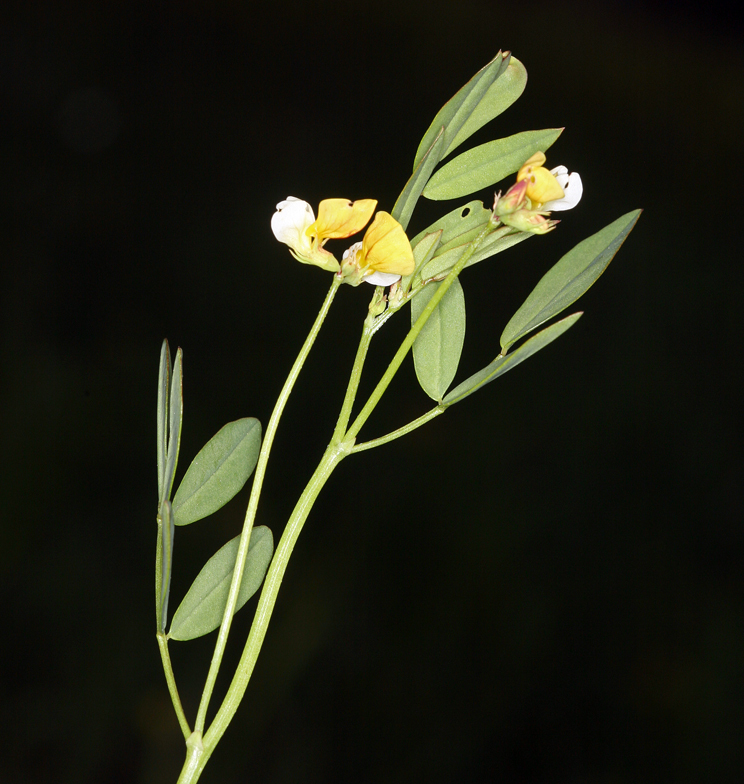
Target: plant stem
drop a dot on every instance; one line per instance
(354, 379)
(401, 431)
(250, 514)
(171, 681)
(195, 760)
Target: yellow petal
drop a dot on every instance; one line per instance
(543, 186)
(386, 248)
(341, 218)
(538, 159)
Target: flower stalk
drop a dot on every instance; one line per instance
(250, 514)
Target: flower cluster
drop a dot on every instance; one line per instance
(383, 255)
(536, 193)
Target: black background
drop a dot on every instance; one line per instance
(543, 585)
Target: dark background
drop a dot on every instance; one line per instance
(545, 584)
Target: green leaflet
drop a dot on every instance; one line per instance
(487, 164)
(455, 115)
(219, 471)
(423, 250)
(163, 403)
(502, 363)
(204, 605)
(437, 349)
(166, 564)
(443, 262)
(406, 202)
(459, 228)
(472, 216)
(565, 282)
(169, 422)
(492, 90)
(175, 422)
(499, 97)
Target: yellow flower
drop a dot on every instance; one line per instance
(542, 186)
(295, 225)
(552, 190)
(535, 194)
(382, 256)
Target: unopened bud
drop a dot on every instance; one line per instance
(514, 199)
(528, 220)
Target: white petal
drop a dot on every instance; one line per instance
(289, 222)
(572, 188)
(382, 278)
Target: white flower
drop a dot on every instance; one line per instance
(572, 189)
(290, 223)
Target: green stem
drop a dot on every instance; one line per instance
(401, 431)
(162, 639)
(159, 575)
(250, 514)
(413, 333)
(171, 681)
(196, 760)
(354, 379)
